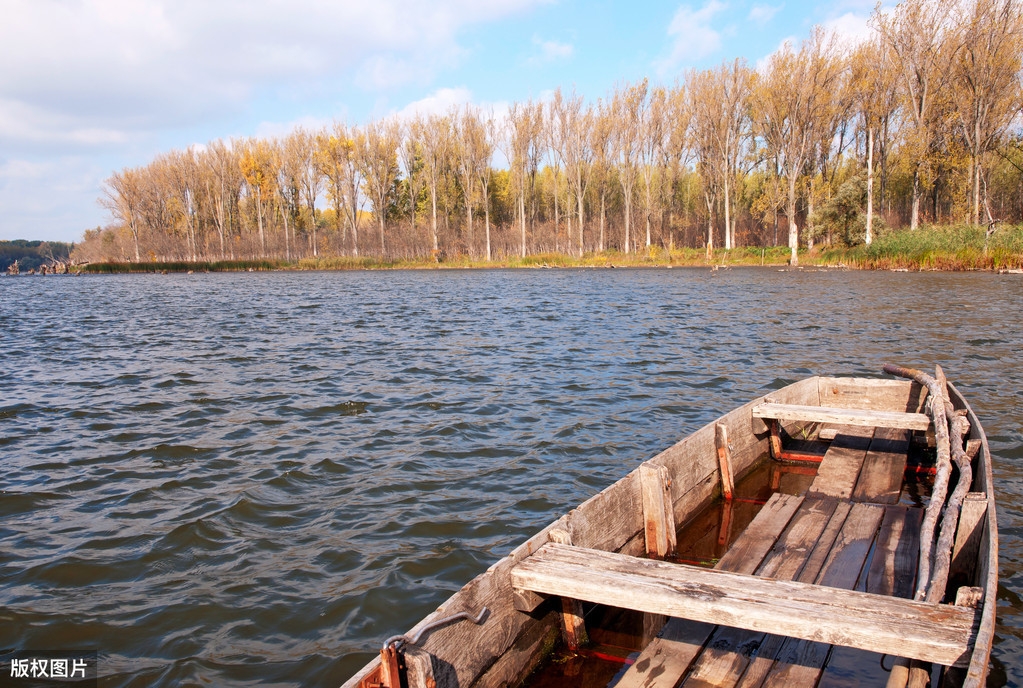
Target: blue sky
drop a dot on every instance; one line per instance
(91, 86)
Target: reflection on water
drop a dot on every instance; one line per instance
(253, 478)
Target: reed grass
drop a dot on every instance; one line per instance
(953, 247)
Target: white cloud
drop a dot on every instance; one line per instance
(851, 28)
(53, 200)
(762, 14)
(267, 130)
(789, 41)
(550, 51)
(96, 66)
(440, 102)
(692, 35)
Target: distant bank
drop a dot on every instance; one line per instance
(949, 248)
(21, 255)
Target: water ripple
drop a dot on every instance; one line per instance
(251, 479)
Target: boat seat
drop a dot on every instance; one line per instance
(929, 632)
(842, 416)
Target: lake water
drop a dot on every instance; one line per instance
(254, 478)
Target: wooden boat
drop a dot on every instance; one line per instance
(867, 564)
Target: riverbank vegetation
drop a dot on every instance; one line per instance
(28, 256)
(823, 149)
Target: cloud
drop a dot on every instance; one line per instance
(550, 51)
(53, 200)
(440, 102)
(789, 42)
(851, 28)
(762, 14)
(692, 35)
(107, 70)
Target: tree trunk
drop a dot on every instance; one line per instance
(259, 220)
(433, 199)
(870, 186)
(486, 210)
(710, 226)
(793, 227)
(728, 217)
(522, 217)
(580, 224)
(914, 221)
(603, 198)
(628, 223)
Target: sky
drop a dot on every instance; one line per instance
(89, 87)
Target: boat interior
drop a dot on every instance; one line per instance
(811, 537)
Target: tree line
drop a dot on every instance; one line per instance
(824, 142)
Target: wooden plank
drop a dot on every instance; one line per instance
(842, 463)
(935, 633)
(825, 414)
(893, 566)
(879, 394)
(730, 650)
(573, 625)
(658, 512)
(724, 460)
(669, 655)
(880, 480)
(666, 659)
(968, 537)
(761, 666)
(799, 662)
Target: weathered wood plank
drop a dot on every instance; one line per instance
(967, 544)
(665, 660)
(868, 393)
(761, 666)
(724, 460)
(842, 463)
(893, 565)
(884, 466)
(825, 414)
(799, 662)
(730, 650)
(937, 633)
(658, 512)
(668, 655)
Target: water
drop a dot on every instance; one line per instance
(251, 479)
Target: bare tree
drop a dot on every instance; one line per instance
(792, 97)
(123, 196)
(436, 145)
(410, 156)
(379, 166)
(917, 31)
(628, 103)
(524, 147)
(985, 80)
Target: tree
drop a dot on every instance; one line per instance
(918, 33)
(436, 144)
(573, 145)
(379, 165)
(303, 146)
(628, 103)
(985, 80)
(873, 83)
(523, 144)
(257, 168)
(792, 98)
(410, 156)
(123, 196)
(600, 142)
(338, 161)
